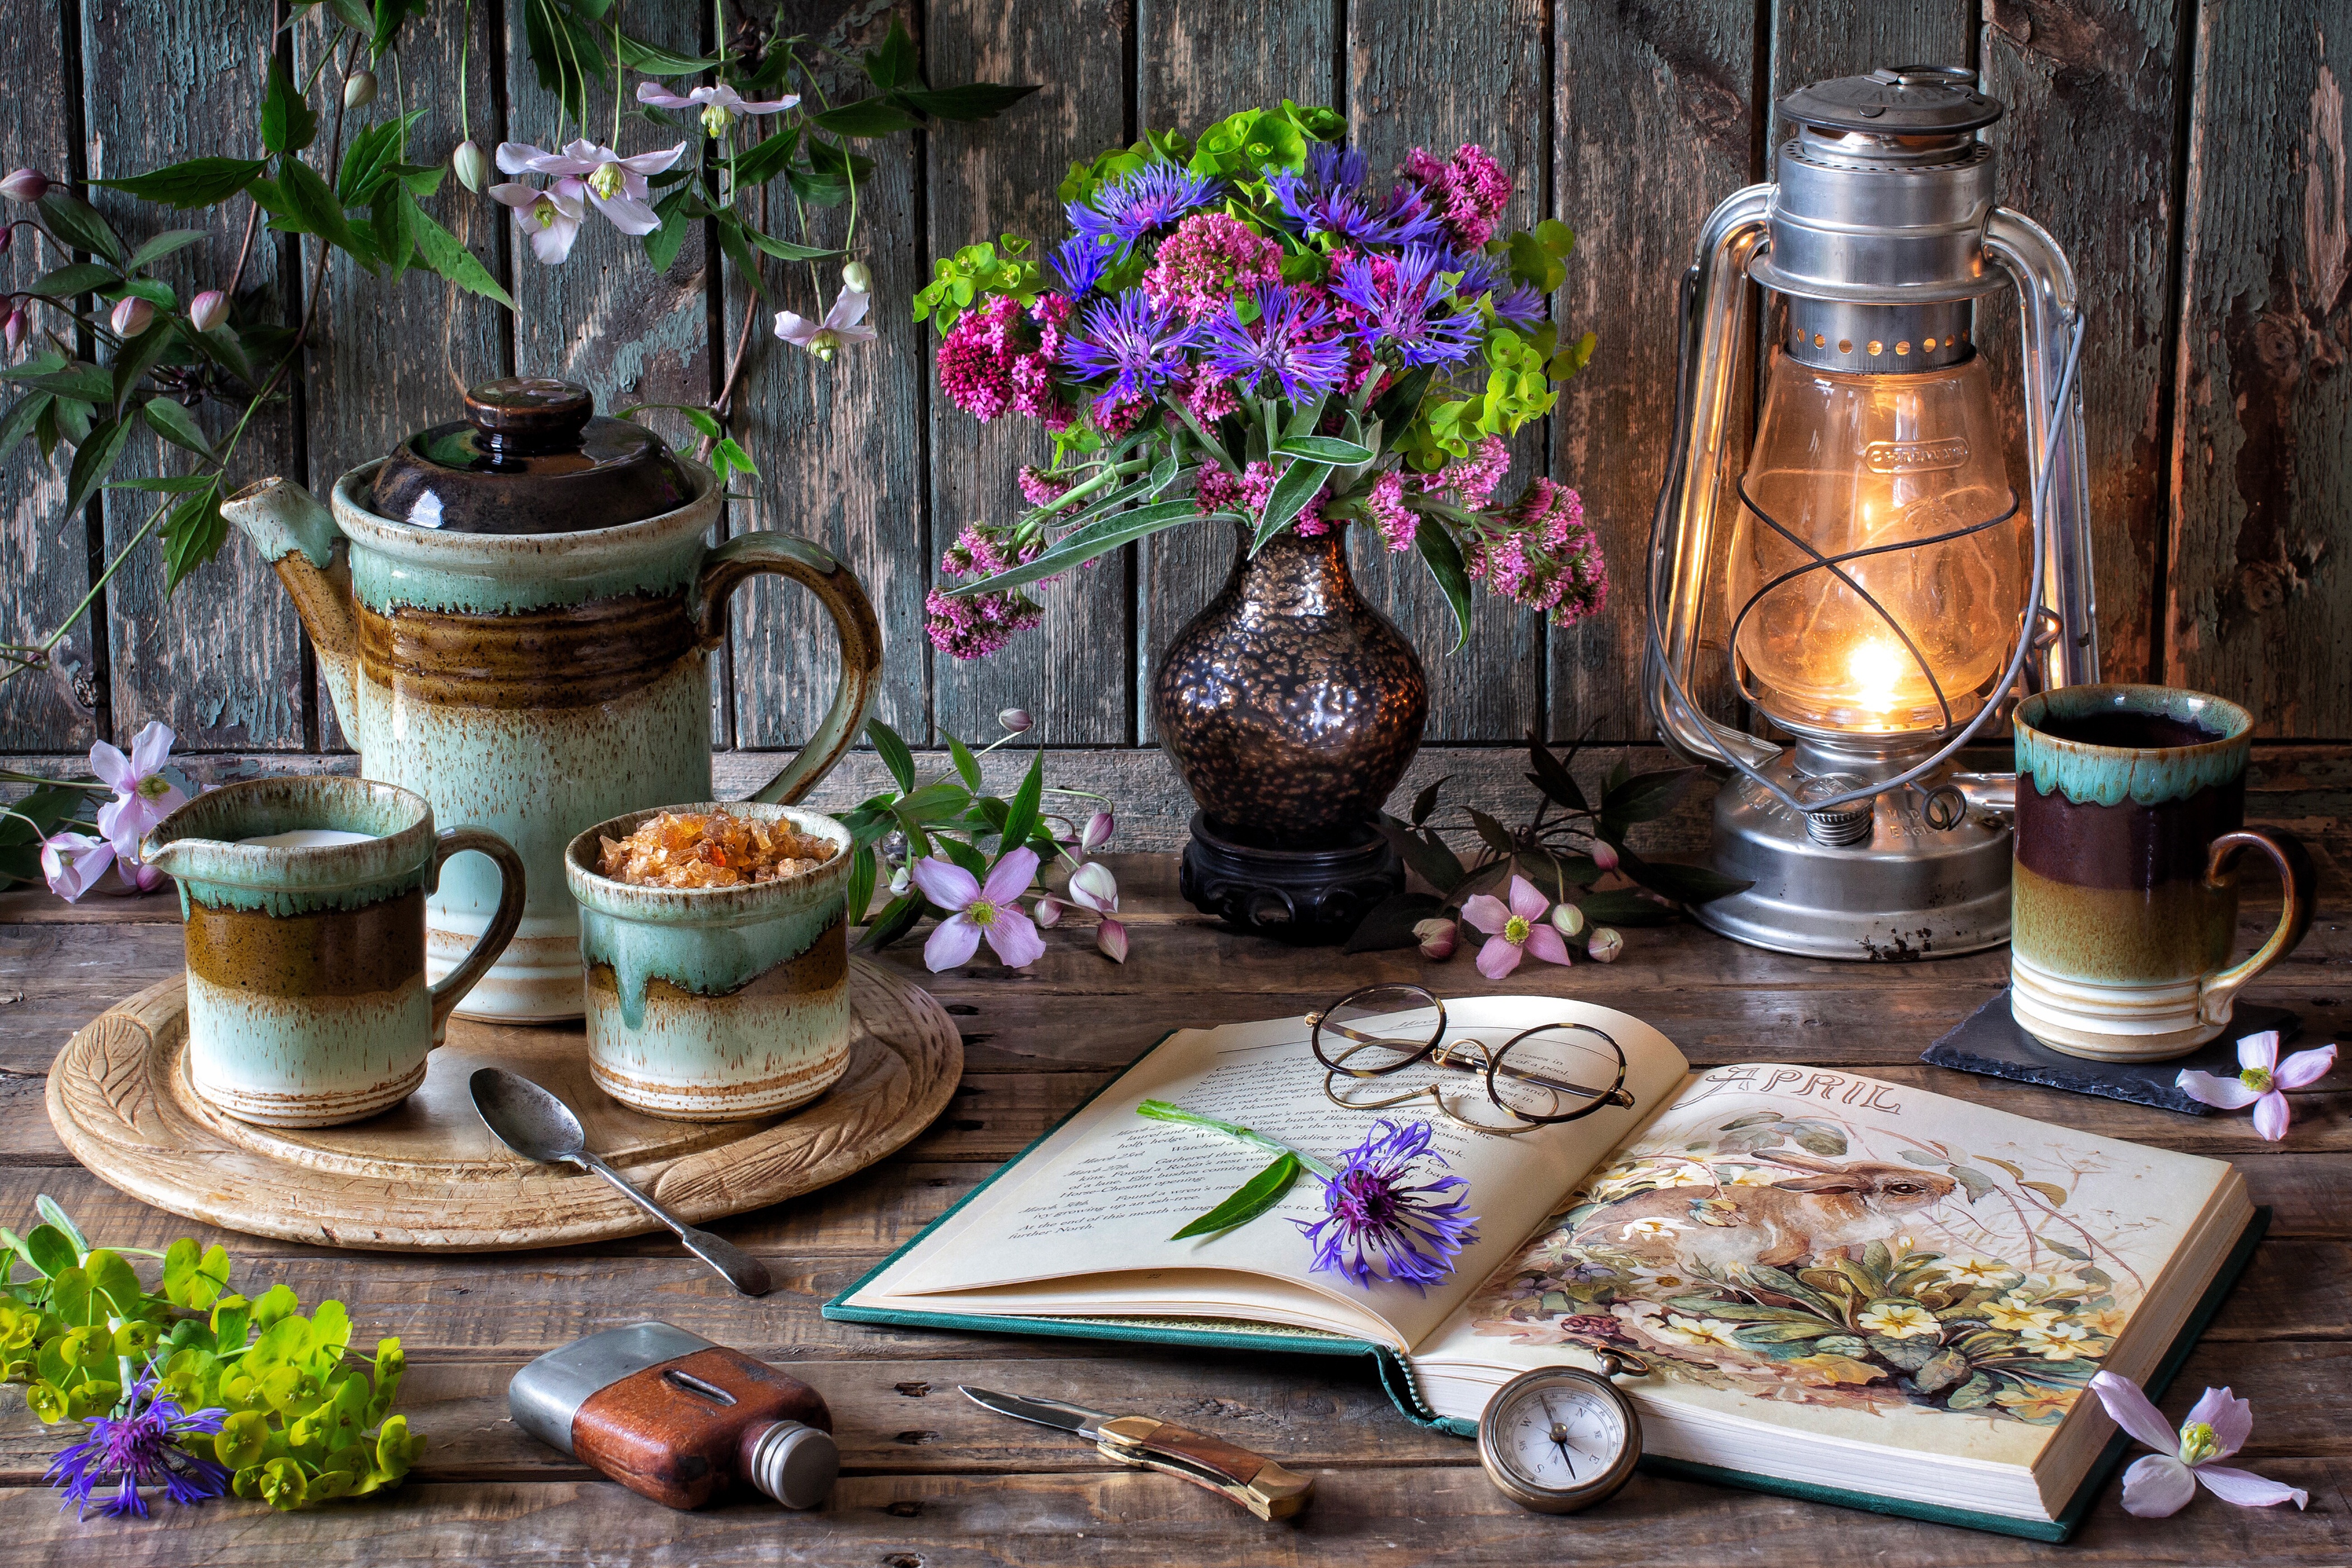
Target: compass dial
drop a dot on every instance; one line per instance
(1559, 1439)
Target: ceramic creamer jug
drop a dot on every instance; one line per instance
(513, 613)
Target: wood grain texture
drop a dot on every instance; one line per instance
(47, 551)
(1480, 79)
(1198, 62)
(221, 660)
(1660, 96)
(1074, 673)
(2259, 605)
(2086, 150)
(841, 446)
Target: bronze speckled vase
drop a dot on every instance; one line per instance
(1291, 707)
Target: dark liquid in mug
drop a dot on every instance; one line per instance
(2127, 732)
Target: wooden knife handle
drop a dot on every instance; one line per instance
(1251, 1479)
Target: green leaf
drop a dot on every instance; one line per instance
(1683, 884)
(896, 61)
(1021, 820)
(194, 1279)
(196, 182)
(177, 425)
(1254, 1197)
(973, 101)
(894, 755)
(1442, 556)
(308, 195)
(867, 116)
(732, 241)
(1394, 408)
(652, 59)
(178, 484)
(765, 161)
(50, 1250)
(192, 535)
(566, 53)
(1645, 797)
(1291, 493)
(369, 162)
(1325, 449)
(1388, 925)
(663, 244)
(863, 871)
(1624, 907)
(288, 123)
(80, 379)
(393, 226)
(113, 1283)
(1082, 545)
(1426, 801)
(77, 277)
(164, 243)
(1426, 853)
(1552, 774)
(784, 249)
(965, 763)
(93, 460)
(452, 261)
(80, 225)
(897, 918)
(20, 419)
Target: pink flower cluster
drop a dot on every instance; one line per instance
(1256, 486)
(1207, 261)
(988, 362)
(1548, 558)
(1471, 190)
(1472, 480)
(977, 626)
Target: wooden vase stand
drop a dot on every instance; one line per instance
(427, 1176)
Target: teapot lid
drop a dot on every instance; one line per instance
(531, 455)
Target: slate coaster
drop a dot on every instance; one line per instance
(1992, 1043)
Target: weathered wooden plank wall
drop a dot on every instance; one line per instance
(2190, 154)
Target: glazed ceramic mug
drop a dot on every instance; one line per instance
(716, 1003)
(2131, 805)
(304, 899)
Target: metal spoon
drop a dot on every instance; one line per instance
(536, 1125)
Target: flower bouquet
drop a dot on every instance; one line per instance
(1249, 327)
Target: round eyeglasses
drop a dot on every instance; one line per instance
(1384, 1046)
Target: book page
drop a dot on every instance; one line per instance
(1880, 1264)
(1104, 1193)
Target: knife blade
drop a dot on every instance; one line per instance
(1143, 1442)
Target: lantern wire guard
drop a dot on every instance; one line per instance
(1865, 845)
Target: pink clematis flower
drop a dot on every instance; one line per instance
(2262, 1083)
(549, 218)
(143, 797)
(721, 105)
(73, 862)
(2159, 1485)
(616, 185)
(1093, 887)
(842, 324)
(979, 909)
(1514, 931)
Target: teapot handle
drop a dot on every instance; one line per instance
(837, 588)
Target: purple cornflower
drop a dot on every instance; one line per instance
(1522, 307)
(141, 1448)
(1080, 264)
(1480, 275)
(1329, 199)
(1141, 345)
(1152, 197)
(1372, 1208)
(1286, 341)
(1403, 308)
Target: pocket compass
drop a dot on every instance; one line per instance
(1560, 1439)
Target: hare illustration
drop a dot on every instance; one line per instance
(1830, 1211)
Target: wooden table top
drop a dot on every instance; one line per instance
(931, 1481)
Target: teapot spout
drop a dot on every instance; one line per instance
(300, 540)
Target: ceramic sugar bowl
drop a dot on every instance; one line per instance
(513, 613)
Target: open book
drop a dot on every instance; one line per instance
(1844, 1288)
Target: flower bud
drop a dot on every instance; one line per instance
(1111, 937)
(1097, 832)
(131, 317)
(25, 185)
(1567, 919)
(1092, 886)
(7, 237)
(1437, 939)
(472, 165)
(1047, 912)
(208, 309)
(359, 89)
(1605, 945)
(1604, 854)
(900, 881)
(858, 275)
(1015, 721)
(14, 329)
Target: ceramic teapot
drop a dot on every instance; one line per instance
(513, 612)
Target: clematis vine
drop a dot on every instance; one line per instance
(842, 324)
(616, 185)
(1515, 929)
(143, 797)
(721, 105)
(2159, 1485)
(978, 910)
(2261, 1082)
(549, 218)
(72, 863)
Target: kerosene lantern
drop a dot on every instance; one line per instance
(1880, 592)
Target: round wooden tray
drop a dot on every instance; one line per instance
(426, 1176)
